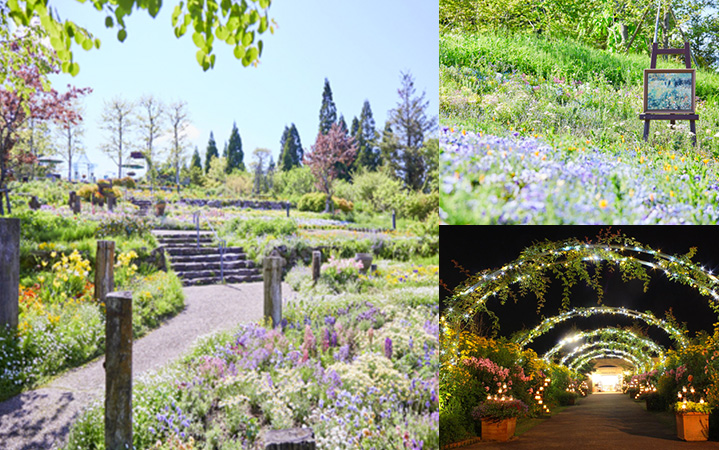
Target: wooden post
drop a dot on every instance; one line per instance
(290, 439)
(272, 277)
(104, 269)
(118, 371)
(76, 208)
(316, 261)
(393, 219)
(287, 209)
(10, 272)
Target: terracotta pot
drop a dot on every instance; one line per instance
(692, 426)
(498, 430)
(160, 209)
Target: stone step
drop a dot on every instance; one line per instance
(211, 265)
(217, 280)
(186, 240)
(178, 251)
(210, 259)
(193, 274)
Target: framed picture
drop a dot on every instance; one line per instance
(669, 91)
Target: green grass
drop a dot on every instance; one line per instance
(556, 58)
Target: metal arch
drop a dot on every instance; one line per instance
(652, 345)
(620, 354)
(675, 334)
(583, 350)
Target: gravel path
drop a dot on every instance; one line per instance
(41, 419)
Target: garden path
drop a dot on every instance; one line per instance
(41, 418)
(601, 421)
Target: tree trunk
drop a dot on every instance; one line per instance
(328, 203)
(666, 29)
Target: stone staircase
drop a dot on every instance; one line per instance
(201, 265)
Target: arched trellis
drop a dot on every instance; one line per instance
(548, 324)
(621, 335)
(608, 353)
(584, 349)
(567, 261)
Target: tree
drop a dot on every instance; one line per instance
(150, 120)
(179, 122)
(330, 150)
(71, 133)
(328, 113)
(342, 123)
(210, 152)
(195, 159)
(26, 95)
(410, 124)
(291, 151)
(237, 23)
(35, 140)
(366, 137)
(260, 182)
(235, 153)
(117, 119)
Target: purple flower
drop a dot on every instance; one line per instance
(388, 348)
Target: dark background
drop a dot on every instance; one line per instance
(476, 248)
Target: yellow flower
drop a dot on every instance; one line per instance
(53, 254)
(603, 203)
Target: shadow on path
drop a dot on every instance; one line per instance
(600, 421)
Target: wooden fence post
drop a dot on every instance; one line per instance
(316, 261)
(9, 271)
(104, 269)
(118, 371)
(272, 277)
(290, 439)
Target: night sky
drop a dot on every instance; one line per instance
(490, 247)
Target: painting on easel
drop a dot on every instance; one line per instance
(669, 91)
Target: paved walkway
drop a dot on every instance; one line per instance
(601, 421)
(41, 419)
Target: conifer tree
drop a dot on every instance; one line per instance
(291, 151)
(328, 112)
(211, 152)
(366, 137)
(235, 153)
(195, 161)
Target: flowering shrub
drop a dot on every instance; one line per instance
(499, 409)
(124, 225)
(341, 271)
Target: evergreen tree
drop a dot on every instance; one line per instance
(328, 112)
(343, 124)
(195, 161)
(291, 151)
(211, 152)
(354, 127)
(410, 124)
(366, 137)
(235, 153)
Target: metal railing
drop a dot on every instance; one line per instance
(222, 244)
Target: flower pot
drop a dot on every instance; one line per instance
(160, 209)
(365, 259)
(692, 426)
(498, 430)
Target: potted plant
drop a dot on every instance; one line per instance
(160, 205)
(498, 418)
(692, 420)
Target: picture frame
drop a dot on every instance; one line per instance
(669, 91)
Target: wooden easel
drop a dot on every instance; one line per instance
(647, 117)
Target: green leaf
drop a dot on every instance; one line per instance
(63, 55)
(200, 57)
(122, 34)
(176, 13)
(222, 33)
(254, 17)
(263, 25)
(239, 52)
(199, 40)
(260, 48)
(247, 38)
(79, 38)
(212, 60)
(225, 5)
(126, 4)
(87, 44)
(97, 43)
(253, 53)
(65, 67)
(264, 4)
(153, 8)
(74, 69)
(57, 43)
(109, 23)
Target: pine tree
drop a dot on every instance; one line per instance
(195, 161)
(211, 152)
(366, 137)
(328, 112)
(235, 153)
(410, 124)
(343, 124)
(291, 151)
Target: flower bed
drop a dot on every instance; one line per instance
(361, 370)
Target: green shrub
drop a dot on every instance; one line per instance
(313, 202)
(261, 227)
(343, 205)
(294, 183)
(378, 191)
(565, 398)
(42, 226)
(124, 225)
(155, 297)
(419, 205)
(127, 182)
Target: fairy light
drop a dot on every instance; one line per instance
(618, 333)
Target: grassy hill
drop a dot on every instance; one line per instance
(520, 113)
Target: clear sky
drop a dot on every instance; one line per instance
(360, 46)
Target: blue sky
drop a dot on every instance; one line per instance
(360, 46)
